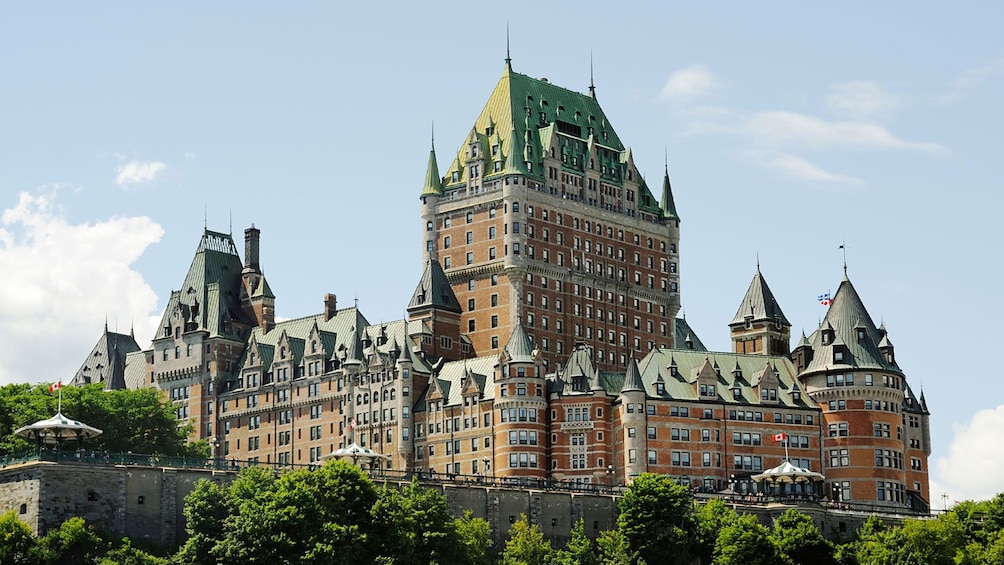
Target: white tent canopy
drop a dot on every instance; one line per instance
(57, 429)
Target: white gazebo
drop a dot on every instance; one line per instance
(56, 430)
(360, 455)
(786, 473)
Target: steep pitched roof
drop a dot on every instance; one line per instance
(667, 204)
(434, 290)
(214, 283)
(683, 333)
(845, 317)
(106, 362)
(520, 347)
(433, 182)
(759, 303)
(632, 378)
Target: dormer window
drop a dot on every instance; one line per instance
(737, 393)
(861, 334)
(253, 357)
(673, 370)
(838, 356)
(282, 353)
(660, 388)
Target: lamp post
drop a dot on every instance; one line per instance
(214, 442)
(488, 465)
(610, 475)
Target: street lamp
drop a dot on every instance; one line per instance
(610, 475)
(215, 443)
(488, 465)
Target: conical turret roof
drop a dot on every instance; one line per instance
(632, 378)
(666, 203)
(520, 346)
(433, 182)
(846, 317)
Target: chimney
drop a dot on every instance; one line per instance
(330, 306)
(252, 235)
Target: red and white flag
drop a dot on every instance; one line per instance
(352, 424)
(55, 386)
(780, 437)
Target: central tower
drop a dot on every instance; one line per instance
(542, 219)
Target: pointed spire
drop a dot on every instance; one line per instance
(434, 290)
(508, 59)
(667, 203)
(433, 182)
(592, 85)
(513, 160)
(632, 378)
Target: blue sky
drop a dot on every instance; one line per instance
(789, 129)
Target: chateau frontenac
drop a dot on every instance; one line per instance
(542, 340)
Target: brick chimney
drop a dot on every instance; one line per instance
(330, 306)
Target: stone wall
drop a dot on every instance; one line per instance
(147, 503)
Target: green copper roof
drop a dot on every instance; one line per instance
(759, 304)
(632, 378)
(845, 316)
(520, 347)
(214, 283)
(433, 183)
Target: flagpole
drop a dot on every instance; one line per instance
(786, 447)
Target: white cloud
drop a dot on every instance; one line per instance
(61, 280)
(135, 172)
(972, 79)
(799, 169)
(862, 99)
(775, 129)
(688, 84)
(977, 449)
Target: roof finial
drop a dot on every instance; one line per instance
(508, 59)
(205, 216)
(758, 261)
(592, 85)
(434, 134)
(843, 247)
(231, 222)
(665, 157)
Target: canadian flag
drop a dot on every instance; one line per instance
(780, 437)
(352, 424)
(55, 386)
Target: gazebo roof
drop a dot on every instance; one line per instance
(788, 473)
(57, 429)
(355, 452)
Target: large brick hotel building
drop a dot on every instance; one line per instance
(542, 339)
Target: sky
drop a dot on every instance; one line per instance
(790, 129)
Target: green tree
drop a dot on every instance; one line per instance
(799, 538)
(747, 542)
(206, 510)
(656, 519)
(613, 549)
(475, 537)
(17, 543)
(73, 543)
(709, 519)
(929, 542)
(580, 551)
(526, 545)
(126, 554)
(419, 526)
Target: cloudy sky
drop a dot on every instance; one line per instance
(789, 130)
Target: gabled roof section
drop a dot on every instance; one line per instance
(846, 316)
(520, 346)
(759, 304)
(214, 283)
(434, 291)
(106, 363)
